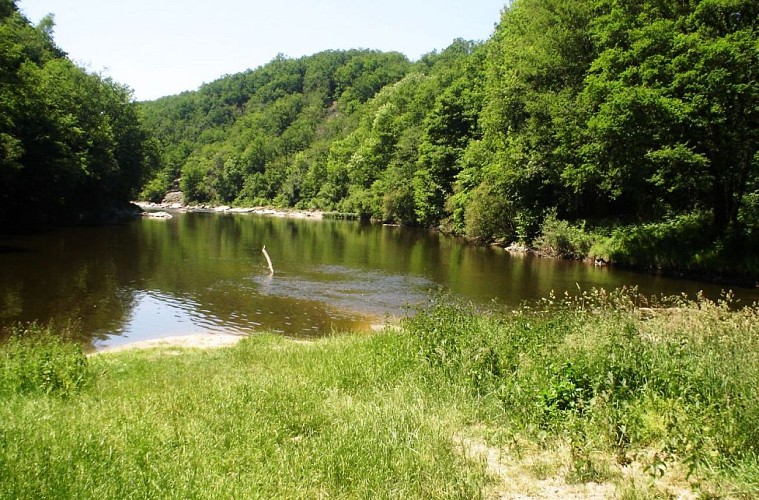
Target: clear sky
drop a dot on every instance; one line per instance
(163, 47)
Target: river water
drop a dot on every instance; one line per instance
(205, 273)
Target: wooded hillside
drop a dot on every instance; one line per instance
(618, 130)
(626, 131)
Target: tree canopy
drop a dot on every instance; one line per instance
(629, 123)
(71, 142)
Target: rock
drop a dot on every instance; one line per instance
(157, 215)
(174, 198)
(517, 248)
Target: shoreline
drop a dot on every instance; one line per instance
(205, 341)
(163, 210)
(193, 341)
(714, 277)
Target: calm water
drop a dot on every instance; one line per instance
(205, 273)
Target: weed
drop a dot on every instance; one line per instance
(34, 360)
(667, 391)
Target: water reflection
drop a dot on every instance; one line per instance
(206, 273)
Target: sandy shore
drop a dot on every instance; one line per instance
(208, 340)
(198, 341)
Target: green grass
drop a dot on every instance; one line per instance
(574, 391)
(664, 387)
(269, 418)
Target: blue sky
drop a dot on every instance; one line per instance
(163, 47)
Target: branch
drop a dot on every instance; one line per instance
(268, 259)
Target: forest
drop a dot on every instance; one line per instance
(617, 130)
(72, 146)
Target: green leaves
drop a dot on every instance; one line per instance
(668, 107)
(72, 142)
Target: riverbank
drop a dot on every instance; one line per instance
(166, 208)
(195, 341)
(646, 249)
(582, 398)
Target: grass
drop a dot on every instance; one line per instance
(586, 395)
(267, 419)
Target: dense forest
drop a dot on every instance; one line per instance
(625, 131)
(72, 146)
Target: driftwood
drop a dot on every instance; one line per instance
(268, 259)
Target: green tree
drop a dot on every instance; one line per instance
(671, 107)
(535, 66)
(71, 143)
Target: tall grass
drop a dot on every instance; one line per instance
(679, 382)
(614, 380)
(33, 359)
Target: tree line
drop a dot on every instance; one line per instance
(623, 130)
(71, 142)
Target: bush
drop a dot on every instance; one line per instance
(156, 189)
(363, 202)
(561, 239)
(489, 215)
(683, 241)
(35, 360)
(195, 183)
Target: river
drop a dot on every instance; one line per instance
(205, 273)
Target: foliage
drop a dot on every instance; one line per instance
(71, 143)
(610, 375)
(618, 115)
(683, 239)
(34, 359)
(562, 239)
(353, 131)
(489, 215)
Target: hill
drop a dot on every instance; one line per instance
(624, 133)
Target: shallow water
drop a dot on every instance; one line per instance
(205, 273)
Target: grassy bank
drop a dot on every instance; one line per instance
(684, 245)
(590, 395)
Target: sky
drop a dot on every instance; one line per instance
(164, 47)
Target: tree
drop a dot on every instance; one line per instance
(71, 143)
(671, 107)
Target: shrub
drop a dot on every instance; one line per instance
(489, 215)
(561, 239)
(35, 360)
(156, 189)
(678, 242)
(194, 182)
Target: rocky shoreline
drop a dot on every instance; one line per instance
(165, 209)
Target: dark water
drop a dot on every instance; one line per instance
(205, 273)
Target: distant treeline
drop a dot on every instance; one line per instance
(71, 143)
(621, 130)
(626, 131)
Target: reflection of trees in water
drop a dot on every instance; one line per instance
(95, 276)
(79, 278)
